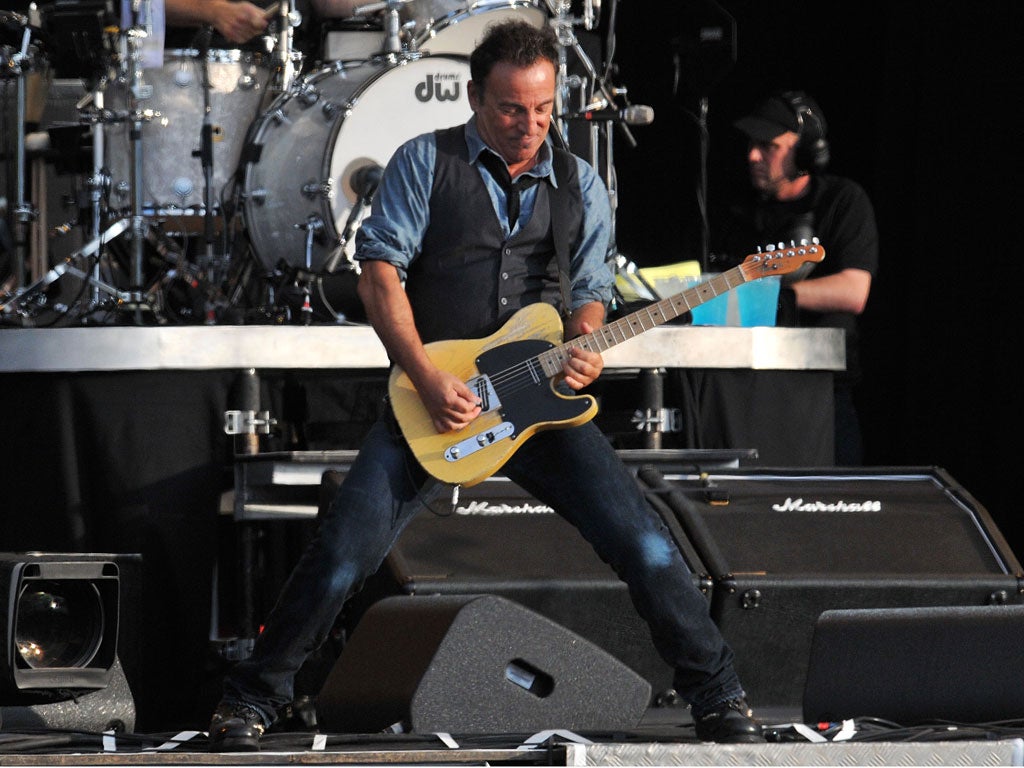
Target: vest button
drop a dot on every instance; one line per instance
(504, 275)
(504, 301)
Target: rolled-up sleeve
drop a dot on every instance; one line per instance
(400, 213)
(592, 267)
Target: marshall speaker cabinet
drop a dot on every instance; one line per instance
(497, 539)
(784, 545)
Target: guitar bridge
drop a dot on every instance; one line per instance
(478, 442)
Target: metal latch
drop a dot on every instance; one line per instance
(248, 422)
(661, 420)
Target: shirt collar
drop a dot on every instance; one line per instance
(542, 169)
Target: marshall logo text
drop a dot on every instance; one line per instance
(487, 508)
(799, 505)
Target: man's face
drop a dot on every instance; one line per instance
(772, 163)
(513, 110)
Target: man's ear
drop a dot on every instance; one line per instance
(475, 95)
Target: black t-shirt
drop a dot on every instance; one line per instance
(838, 212)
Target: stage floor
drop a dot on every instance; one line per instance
(664, 738)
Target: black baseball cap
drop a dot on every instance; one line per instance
(772, 117)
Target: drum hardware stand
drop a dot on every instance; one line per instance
(392, 23)
(24, 212)
(284, 55)
(137, 91)
(31, 294)
(98, 183)
(206, 159)
(314, 227)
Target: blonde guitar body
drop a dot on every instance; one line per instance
(517, 395)
(513, 372)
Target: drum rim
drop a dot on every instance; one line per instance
(216, 55)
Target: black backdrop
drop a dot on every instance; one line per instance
(919, 98)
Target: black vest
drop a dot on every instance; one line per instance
(468, 280)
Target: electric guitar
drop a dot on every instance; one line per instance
(513, 372)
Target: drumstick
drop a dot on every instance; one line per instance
(271, 10)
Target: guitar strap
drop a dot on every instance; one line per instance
(560, 200)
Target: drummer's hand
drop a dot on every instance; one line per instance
(237, 21)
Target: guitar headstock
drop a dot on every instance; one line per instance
(781, 259)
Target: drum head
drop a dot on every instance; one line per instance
(310, 143)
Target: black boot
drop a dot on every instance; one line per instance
(731, 722)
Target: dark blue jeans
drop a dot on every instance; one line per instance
(574, 471)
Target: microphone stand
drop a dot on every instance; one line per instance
(206, 159)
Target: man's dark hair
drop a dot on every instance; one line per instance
(516, 42)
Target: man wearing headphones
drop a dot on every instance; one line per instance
(792, 198)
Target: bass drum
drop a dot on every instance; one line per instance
(311, 141)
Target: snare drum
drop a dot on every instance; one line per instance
(173, 181)
(453, 26)
(311, 140)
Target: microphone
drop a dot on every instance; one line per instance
(365, 180)
(636, 114)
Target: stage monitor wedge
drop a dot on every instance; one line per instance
(474, 664)
(959, 664)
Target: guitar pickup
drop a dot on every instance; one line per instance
(485, 392)
(479, 441)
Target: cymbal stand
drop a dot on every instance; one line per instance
(603, 97)
(24, 212)
(137, 91)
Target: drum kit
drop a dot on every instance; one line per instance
(226, 186)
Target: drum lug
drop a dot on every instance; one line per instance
(332, 110)
(258, 196)
(324, 189)
(306, 94)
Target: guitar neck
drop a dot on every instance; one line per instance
(635, 323)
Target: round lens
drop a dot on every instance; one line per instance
(59, 624)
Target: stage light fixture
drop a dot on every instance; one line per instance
(59, 629)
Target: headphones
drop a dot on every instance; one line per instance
(812, 151)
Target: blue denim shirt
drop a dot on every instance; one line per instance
(394, 230)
